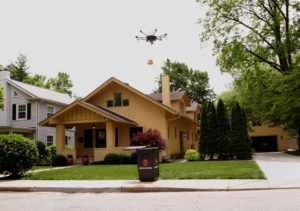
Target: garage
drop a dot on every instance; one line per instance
(265, 143)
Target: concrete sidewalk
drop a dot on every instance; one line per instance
(108, 186)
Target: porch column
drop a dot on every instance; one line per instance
(60, 139)
(110, 134)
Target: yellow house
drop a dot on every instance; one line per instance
(107, 118)
(267, 139)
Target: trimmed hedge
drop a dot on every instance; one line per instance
(111, 158)
(123, 158)
(17, 154)
(59, 160)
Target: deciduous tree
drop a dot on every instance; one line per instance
(183, 78)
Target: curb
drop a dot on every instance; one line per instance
(130, 189)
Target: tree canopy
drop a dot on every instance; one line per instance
(245, 32)
(258, 43)
(19, 72)
(183, 78)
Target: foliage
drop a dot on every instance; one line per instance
(43, 153)
(69, 147)
(51, 150)
(19, 69)
(151, 138)
(17, 154)
(192, 155)
(203, 142)
(245, 32)
(61, 83)
(35, 80)
(240, 141)
(258, 43)
(187, 170)
(59, 160)
(1, 99)
(224, 133)
(111, 158)
(212, 130)
(133, 158)
(19, 72)
(124, 158)
(182, 78)
(286, 102)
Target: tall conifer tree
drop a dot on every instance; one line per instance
(240, 144)
(203, 142)
(224, 133)
(212, 130)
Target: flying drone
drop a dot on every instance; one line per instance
(151, 38)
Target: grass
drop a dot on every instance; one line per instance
(190, 170)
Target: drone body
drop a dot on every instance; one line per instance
(151, 38)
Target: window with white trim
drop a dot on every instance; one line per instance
(50, 110)
(22, 111)
(49, 140)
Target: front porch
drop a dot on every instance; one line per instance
(98, 131)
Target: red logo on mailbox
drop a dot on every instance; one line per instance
(145, 163)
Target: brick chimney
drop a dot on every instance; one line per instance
(165, 83)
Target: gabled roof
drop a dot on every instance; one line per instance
(97, 109)
(178, 95)
(41, 93)
(125, 85)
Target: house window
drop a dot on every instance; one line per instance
(110, 103)
(117, 99)
(15, 93)
(126, 102)
(49, 140)
(50, 111)
(22, 112)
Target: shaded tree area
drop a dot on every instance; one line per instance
(223, 137)
(182, 78)
(258, 42)
(19, 72)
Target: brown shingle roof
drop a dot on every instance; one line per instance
(173, 95)
(193, 107)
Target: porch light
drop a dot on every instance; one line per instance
(93, 127)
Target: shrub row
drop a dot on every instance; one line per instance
(113, 158)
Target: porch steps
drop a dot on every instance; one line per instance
(79, 162)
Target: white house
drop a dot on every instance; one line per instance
(26, 105)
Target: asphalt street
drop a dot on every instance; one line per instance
(234, 200)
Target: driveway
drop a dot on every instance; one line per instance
(279, 166)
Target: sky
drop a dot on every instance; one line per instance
(93, 40)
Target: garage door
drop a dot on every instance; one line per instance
(265, 143)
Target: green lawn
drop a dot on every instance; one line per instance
(190, 170)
